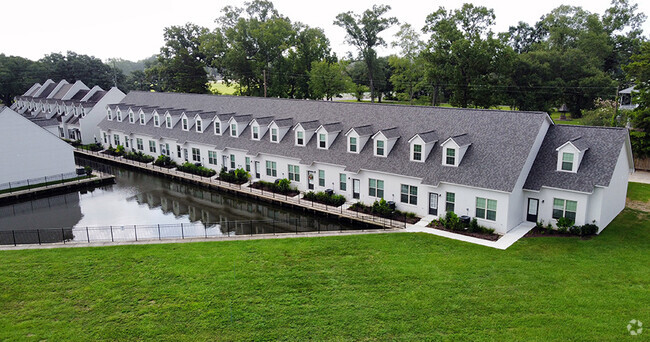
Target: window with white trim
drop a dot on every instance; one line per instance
(380, 148)
(417, 152)
(140, 144)
(450, 201)
(199, 125)
(110, 115)
(248, 164)
(564, 208)
(409, 194)
(168, 121)
(156, 120)
(217, 128)
(256, 132)
(212, 157)
(352, 144)
(116, 139)
(300, 138)
(375, 188)
(142, 118)
(567, 161)
(450, 154)
(178, 151)
(152, 146)
(322, 140)
(271, 168)
(196, 154)
(321, 177)
(274, 135)
(232, 161)
(343, 182)
(131, 117)
(233, 129)
(185, 128)
(105, 138)
(486, 208)
(294, 173)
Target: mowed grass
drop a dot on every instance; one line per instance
(569, 121)
(638, 192)
(221, 88)
(369, 287)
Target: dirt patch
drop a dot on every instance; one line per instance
(638, 205)
(542, 232)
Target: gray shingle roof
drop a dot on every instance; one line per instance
(333, 127)
(307, 125)
(286, 122)
(501, 140)
(364, 130)
(580, 144)
(80, 94)
(64, 89)
(264, 120)
(429, 136)
(461, 139)
(390, 133)
(597, 165)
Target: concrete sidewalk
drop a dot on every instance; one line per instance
(503, 243)
(640, 177)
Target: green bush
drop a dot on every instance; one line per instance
(563, 224)
(139, 156)
(451, 221)
(284, 185)
(381, 208)
(474, 226)
(238, 176)
(88, 170)
(164, 161)
(324, 198)
(589, 229)
(196, 170)
(281, 186)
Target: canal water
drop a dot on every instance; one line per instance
(145, 206)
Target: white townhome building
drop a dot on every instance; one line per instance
(502, 167)
(70, 111)
(29, 152)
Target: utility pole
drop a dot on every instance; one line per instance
(264, 73)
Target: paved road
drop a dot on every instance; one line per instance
(640, 177)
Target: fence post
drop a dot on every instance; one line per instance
(13, 233)
(38, 233)
(63, 235)
(182, 233)
(135, 231)
(87, 235)
(112, 240)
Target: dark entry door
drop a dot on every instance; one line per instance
(257, 169)
(433, 203)
(533, 206)
(356, 188)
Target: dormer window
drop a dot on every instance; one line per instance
(379, 151)
(110, 115)
(217, 128)
(352, 146)
(567, 161)
(300, 138)
(142, 118)
(156, 120)
(256, 132)
(274, 135)
(450, 154)
(168, 121)
(131, 117)
(119, 115)
(322, 140)
(185, 128)
(199, 125)
(233, 130)
(417, 152)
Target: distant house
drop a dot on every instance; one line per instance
(30, 152)
(70, 111)
(502, 167)
(626, 100)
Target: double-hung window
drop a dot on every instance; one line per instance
(212, 157)
(450, 201)
(131, 118)
(274, 134)
(232, 161)
(321, 177)
(300, 138)
(178, 151)
(567, 161)
(486, 208)
(256, 132)
(199, 126)
(185, 128)
(409, 194)
(156, 120)
(564, 208)
(196, 154)
(116, 139)
(417, 152)
(217, 128)
(343, 185)
(294, 173)
(353, 144)
(248, 164)
(451, 156)
(142, 118)
(110, 115)
(152, 146)
(322, 140)
(168, 121)
(375, 188)
(233, 129)
(271, 168)
(380, 148)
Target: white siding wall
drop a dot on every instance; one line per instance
(546, 197)
(29, 151)
(88, 125)
(613, 197)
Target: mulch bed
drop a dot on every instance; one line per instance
(400, 218)
(484, 236)
(264, 187)
(541, 232)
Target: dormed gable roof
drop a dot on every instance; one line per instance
(388, 133)
(333, 127)
(461, 140)
(287, 122)
(308, 125)
(241, 119)
(427, 137)
(263, 121)
(362, 131)
(578, 143)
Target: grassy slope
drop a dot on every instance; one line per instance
(372, 287)
(222, 89)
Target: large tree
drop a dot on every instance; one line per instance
(17, 74)
(639, 73)
(327, 79)
(363, 32)
(88, 69)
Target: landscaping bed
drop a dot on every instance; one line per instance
(465, 231)
(325, 198)
(165, 161)
(139, 156)
(188, 167)
(238, 176)
(282, 187)
(381, 209)
(452, 223)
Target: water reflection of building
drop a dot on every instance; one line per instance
(55, 211)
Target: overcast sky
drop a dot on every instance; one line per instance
(133, 29)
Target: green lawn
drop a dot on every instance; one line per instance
(223, 89)
(569, 121)
(370, 287)
(638, 192)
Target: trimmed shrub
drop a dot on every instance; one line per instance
(139, 156)
(196, 170)
(238, 176)
(324, 198)
(281, 186)
(589, 229)
(452, 222)
(563, 224)
(381, 208)
(164, 161)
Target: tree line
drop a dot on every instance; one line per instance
(569, 56)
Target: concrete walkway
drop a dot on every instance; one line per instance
(640, 177)
(503, 243)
